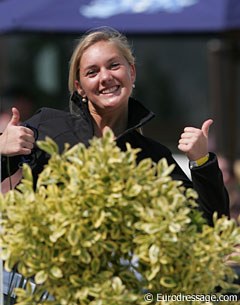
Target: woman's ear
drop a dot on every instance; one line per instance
(79, 88)
(133, 73)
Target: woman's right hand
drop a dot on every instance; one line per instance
(16, 140)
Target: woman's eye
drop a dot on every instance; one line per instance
(91, 73)
(115, 65)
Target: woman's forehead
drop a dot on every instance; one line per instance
(101, 50)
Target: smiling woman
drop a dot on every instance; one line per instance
(101, 79)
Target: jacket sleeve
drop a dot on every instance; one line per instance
(208, 182)
(9, 165)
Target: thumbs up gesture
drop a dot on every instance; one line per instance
(16, 140)
(194, 141)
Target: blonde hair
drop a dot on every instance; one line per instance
(89, 39)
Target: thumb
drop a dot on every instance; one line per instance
(205, 127)
(15, 117)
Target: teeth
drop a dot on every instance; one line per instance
(109, 90)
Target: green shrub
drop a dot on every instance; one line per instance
(101, 229)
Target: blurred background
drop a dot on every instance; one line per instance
(187, 60)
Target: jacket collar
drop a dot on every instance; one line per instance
(138, 115)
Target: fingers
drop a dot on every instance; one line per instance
(194, 141)
(185, 146)
(26, 150)
(24, 140)
(27, 133)
(15, 120)
(28, 136)
(205, 127)
(16, 145)
(16, 140)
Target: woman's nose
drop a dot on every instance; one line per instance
(105, 75)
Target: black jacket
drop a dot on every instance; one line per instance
(65, 127)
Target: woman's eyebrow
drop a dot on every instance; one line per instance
(92, 66)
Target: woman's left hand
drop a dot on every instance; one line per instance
(194, 141)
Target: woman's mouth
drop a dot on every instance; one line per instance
(109, 90)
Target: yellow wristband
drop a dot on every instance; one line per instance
(202, 160)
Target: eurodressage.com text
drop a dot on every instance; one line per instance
(149, 297)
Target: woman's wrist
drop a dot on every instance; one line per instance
(199, 162)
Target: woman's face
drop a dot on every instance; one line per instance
(106, 78)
